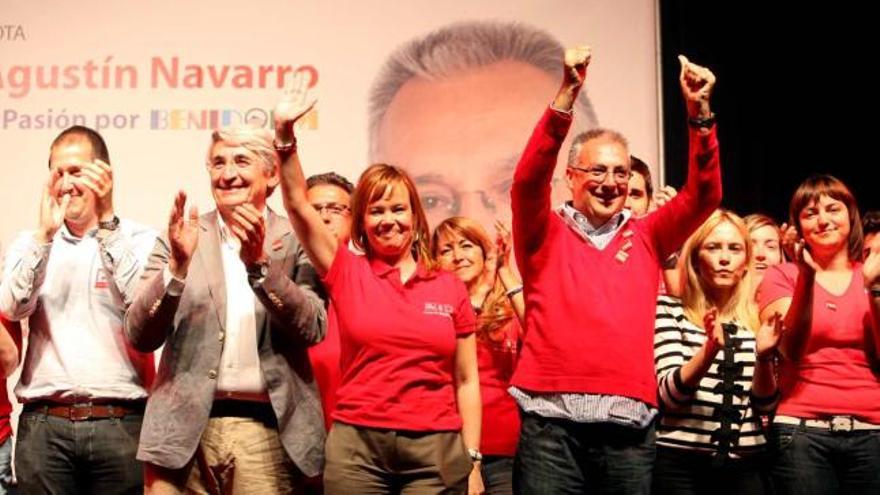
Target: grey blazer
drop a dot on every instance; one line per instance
(289, 315)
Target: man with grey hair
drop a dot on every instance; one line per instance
(452, 107)
(585, 380)
(234, 408)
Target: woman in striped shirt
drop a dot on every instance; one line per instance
(715, 372)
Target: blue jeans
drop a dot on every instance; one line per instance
(812, 461)
(57, 455)
(559, 456)
(6, 467)
(690, 472)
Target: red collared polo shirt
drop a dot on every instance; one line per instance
(398, 343)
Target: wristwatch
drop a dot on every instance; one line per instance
(257, 273)
(111, 224)
(702, 122)
(475, 455)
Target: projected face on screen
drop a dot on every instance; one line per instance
(458, 123)
(460, 138)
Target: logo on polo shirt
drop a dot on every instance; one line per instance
(102, 280)
(438, 309)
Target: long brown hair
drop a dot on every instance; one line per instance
(740, 307)
(372, 185)
(495, 311)
(817, 186)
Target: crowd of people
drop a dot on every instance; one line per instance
(625, 341)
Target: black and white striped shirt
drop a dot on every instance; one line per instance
(719, 416)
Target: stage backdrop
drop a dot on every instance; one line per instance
(155, 77)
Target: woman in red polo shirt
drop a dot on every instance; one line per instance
(407, 416)
(463, 247)
(826, 431)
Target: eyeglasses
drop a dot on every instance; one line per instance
(447, 200)
(443, 199)
(331, 208)
(599, 173)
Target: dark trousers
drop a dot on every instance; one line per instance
(812, 461)
(559, 457)
(684, 472)
(58, 456)
(497, 473)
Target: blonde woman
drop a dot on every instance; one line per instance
(715, 368)
(765, 236)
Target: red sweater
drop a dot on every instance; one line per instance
(589, 317)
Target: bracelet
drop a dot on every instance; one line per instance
(475, 455)
(285, 149)
(766, 359)
(514, 291)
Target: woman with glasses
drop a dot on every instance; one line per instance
(826, 432)
(463, 247)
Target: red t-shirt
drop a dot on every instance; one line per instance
(324, 357)
(834, 374)
(398, 344)
(497, 359)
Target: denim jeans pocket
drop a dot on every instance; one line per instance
(782, 436)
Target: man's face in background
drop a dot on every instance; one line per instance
(460, 137)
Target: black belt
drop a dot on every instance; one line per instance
(260, 411)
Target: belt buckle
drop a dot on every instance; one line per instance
(80, 413)
(842, 424)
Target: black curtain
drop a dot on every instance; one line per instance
(795, 96)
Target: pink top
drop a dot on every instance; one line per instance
(834, 375)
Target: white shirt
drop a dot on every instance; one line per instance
(239, 376)
(73, 293)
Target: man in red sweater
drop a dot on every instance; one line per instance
(585, 381)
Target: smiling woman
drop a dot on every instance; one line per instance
(831, 304)
(464, 248)
(766, 239)
(406, 330)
